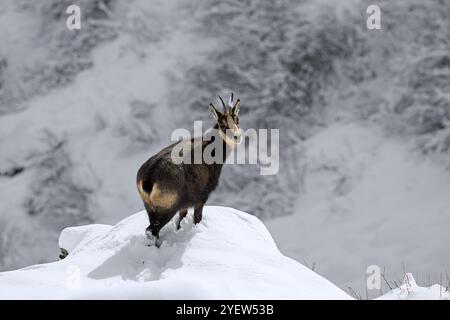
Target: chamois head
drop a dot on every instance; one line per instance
(228, 120)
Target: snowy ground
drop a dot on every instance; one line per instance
(409, 290)
(366, 197)
(230, 255)
(368, 200)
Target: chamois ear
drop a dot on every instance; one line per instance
(236, 107)
(214, 111)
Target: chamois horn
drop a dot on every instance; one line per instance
(225, 107)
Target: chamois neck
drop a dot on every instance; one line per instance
(210, 136)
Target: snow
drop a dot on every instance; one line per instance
(229, 255)
(71, 237)
(367, 200)
(96, 120)
(409, 290)
(362, 196)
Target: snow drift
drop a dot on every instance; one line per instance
(409, 290)
(230, 255)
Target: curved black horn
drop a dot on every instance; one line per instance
(230, 101)
(225, 108)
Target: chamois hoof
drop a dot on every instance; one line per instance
(152, 239)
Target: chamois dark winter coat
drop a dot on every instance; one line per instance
(167, 187)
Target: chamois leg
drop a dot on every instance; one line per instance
(158, 219)
(182, 214)
(198, 211)
(152, 231)
(148, 230)
(149, 234)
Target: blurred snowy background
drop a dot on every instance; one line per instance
(364, 119)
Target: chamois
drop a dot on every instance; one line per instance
(167, 187)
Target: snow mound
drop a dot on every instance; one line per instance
(71, 237)
(229, 255)
(409, 290)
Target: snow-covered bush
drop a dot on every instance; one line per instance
(425, 103)
(140, 126)
(71, 49)
(56, 196)
(59, 54)
(415, 46)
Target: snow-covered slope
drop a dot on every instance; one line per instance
(66, 142)
(81, 111)
(368, 200)
(230, 255)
